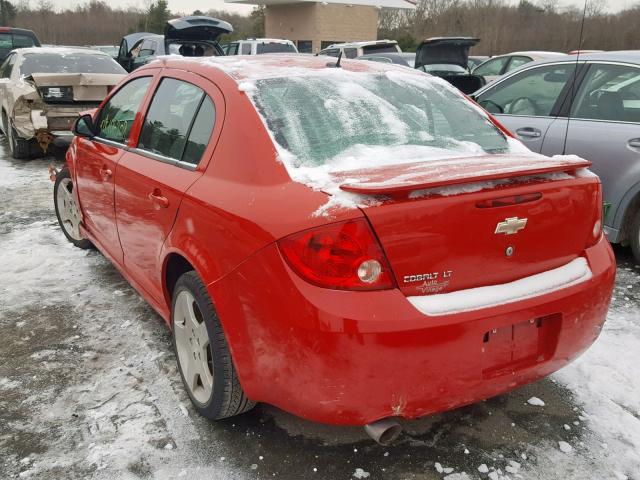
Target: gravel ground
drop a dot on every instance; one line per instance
(89, 387)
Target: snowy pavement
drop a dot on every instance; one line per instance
(89, 387)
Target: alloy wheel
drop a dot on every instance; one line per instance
(192, 345)
(68, 209)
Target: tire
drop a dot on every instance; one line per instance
(19, 147)
(67, 209)
(210, 379)
(634, 236)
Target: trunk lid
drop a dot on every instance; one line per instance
(463, 223)
(74, 87)
(195, 28)
(446, 50)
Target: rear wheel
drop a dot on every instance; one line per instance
(634, 236)
(204, 359)
(67, 209)
(20, 148)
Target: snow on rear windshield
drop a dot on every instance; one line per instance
(68, 63)
(317, 117)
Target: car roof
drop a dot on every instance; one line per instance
(627, 56)
(60, 50)
(623, 56)
(272, 40)
(361, 44)
(532, 53)
(16, 30)
(258, 67)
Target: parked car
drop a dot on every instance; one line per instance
(405, 59)
(12, 38)
(475, 60)
(194, 36)
(448, 58)
(331, 278)
(42, 90)
(111, 50)
(357, 49)
(258, 46)
(501, 64)
(601, 124)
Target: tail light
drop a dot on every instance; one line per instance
(598, 219)
(342, 256)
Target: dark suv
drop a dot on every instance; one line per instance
(11, 38)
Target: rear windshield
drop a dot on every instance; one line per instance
(68, 63)
(275, 47)
(382, 48)
(317, 118)
(9, 41)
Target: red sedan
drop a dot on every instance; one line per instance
(347, 242)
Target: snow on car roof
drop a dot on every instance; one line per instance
(59, 50)
(259, 67)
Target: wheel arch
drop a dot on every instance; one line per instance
(175, 264)
(630, 207)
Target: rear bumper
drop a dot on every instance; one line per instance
(355, 357)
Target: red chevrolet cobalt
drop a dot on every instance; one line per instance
(350, 242)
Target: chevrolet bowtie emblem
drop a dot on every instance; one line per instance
(511, 225)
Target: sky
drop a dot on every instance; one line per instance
(188, 6)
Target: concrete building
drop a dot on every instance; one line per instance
(314, 25)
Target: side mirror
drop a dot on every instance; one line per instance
(84, 127)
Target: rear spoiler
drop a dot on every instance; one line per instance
(407, 177)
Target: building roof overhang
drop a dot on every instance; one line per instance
(403, 4)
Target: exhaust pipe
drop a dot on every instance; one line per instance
(383, 431)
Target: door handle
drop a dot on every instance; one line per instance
(634, 143)
(105, 173)
(529, 132)
(158, 199)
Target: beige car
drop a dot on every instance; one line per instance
(495, 67)
(42, 90)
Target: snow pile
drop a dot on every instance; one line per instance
(536, 402)
(565, 447)
(572, 273)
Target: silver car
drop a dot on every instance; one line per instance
(587, 106)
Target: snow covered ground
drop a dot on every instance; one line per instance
(89, 388)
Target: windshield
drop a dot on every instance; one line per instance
(275, 47)
(68, 63)
(318, 117)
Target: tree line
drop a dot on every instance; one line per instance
(501, 26)
(504, 27)
(96, 23)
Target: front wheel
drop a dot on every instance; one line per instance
(67, 209)
(204, 359)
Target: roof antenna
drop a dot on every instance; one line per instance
(573, 81)
(337, 64)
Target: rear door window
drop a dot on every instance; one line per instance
(117, 115)
(516, 62)
(351, 52)
(246, 49)
(533, 92)
(609, 92)
(179, 122)
(491, 67)
(7, 66)
(22, 41)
